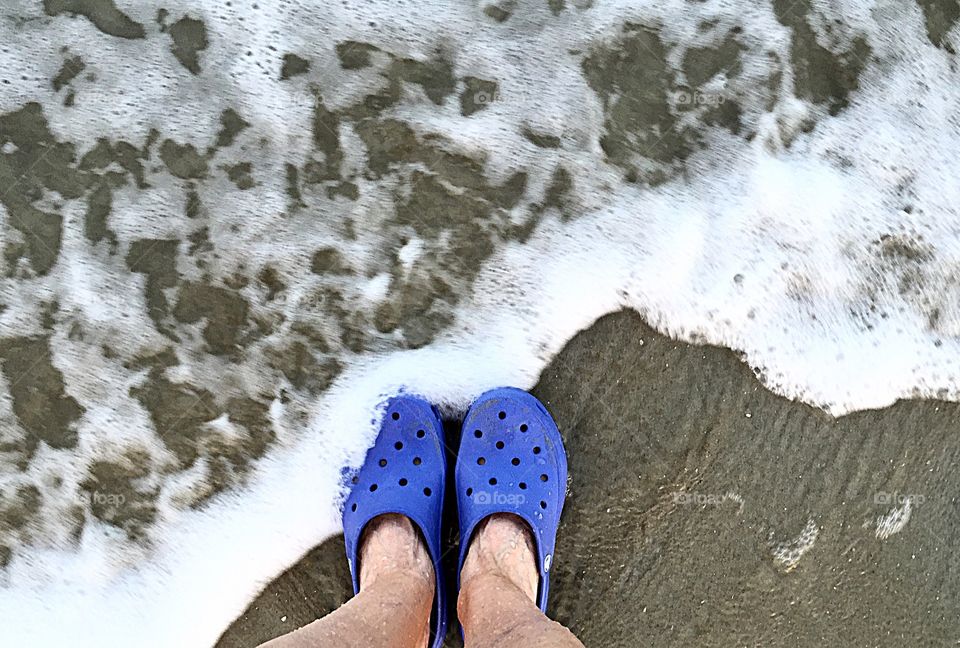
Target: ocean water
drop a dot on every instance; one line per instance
(231, 229)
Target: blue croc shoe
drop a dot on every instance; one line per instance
(404, 472)
(511, 460)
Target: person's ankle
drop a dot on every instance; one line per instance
(502, 549)
(394, 557)
(391, 549)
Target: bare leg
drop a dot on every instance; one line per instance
(393, 607)
(498, 590)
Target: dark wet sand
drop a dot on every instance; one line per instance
(651, 552)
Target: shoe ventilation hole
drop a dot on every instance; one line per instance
(536, 449)
(403, 481)
(373, 487)
(523, 485)
(353, 507)
(420, 434)
(355, 480)
(493, 481)
(417, 461)
(481, 461)
(543, 504)
(523, 427)
(395, 416)
(427, 491)
(383, 462)
(543, 478)
(469, 492)
(499, 445)
(502, 415)
(477, 433)
(515, 461)
(398, 445)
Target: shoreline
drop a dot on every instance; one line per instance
(705, 510)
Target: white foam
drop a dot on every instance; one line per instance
(767, 248)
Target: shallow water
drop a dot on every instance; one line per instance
(229, 229)
(703, 510)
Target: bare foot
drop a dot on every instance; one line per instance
(502, 546)
(393, 553)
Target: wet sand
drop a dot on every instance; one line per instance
(704, 510)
